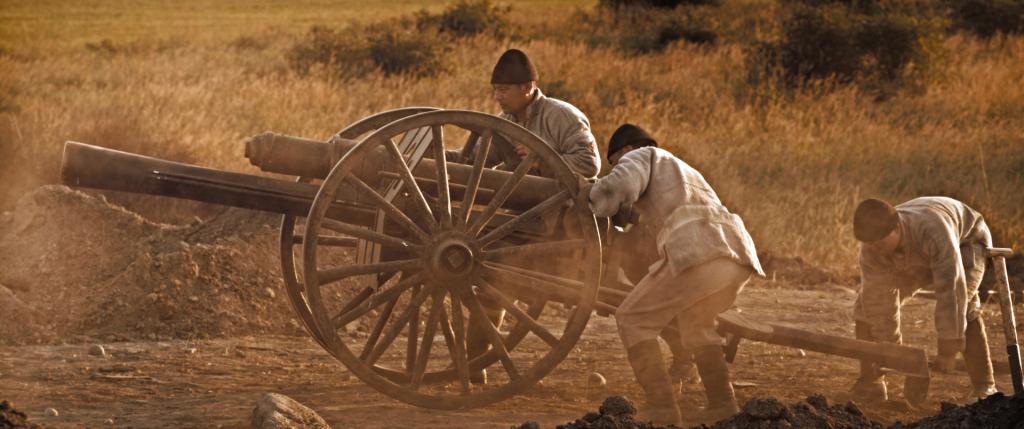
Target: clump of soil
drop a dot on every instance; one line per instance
(996, 412)
(815, 412)
(795, 271)
(11, 418)
(616, 412)
(77, 267)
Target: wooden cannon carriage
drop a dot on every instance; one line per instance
(391, 251)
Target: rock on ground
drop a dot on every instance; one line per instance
(11, 418)
(277, 411)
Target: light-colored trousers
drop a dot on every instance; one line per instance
(695, 296)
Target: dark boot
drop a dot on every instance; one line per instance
(714, 372)
(645, 358)
(977, 359)
(870, 386)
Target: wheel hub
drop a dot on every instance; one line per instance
(454, 260)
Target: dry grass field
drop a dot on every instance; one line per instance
(190, 80)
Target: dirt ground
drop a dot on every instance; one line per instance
(210, 383)
(114, 279)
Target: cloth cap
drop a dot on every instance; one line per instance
(629, 134)
(514, 67)
(874, 220)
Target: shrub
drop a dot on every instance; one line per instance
(406, 53)
(987, 18)
(879, 44)
(393, 47)
(647, 30)
(470, 18)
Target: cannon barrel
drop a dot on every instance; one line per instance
(101, 168)
(278, 153)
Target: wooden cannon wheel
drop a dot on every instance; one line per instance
(290, 240)
(449, 258)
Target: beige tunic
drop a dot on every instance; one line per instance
(678, 207)
(563, 127)
(943, 250)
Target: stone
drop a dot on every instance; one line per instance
(97, 350)
(51, 412)
(596, 380)
(618, 406)
(277, 411)
(270, 292)
(766, 409)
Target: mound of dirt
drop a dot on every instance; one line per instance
(77, 267)
(618, 412)
(11, 418)
(815, 412)
(995, 412)
(795, 271)
(615, 412)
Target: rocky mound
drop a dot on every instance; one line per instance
(11, 418)
(75, 266)
(815, 412)
(995, 412)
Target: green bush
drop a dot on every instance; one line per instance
(406, 53)
(470, 18)
(637, 31)
(392, 47)
(882, 45)
(987, 18)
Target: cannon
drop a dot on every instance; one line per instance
(394, 249)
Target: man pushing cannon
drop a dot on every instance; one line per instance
(705, 258)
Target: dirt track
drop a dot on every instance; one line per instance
(164, 384)
(85, 272)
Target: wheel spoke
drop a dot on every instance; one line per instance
(356, 301)
(456, 348)
(519, 314)
(389, 209)
(473, 183)
(411, 342)
(327, 240)
(395, 328)
(368, 234)
(410, 183)
(499, 197)
(377, 299)
(533, 249)
(535, 285)
(508, 227)
(334, 274)
(444, 201)
(493, 336)
(382, 321)
(428, 340)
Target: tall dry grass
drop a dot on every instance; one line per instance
(793, 165)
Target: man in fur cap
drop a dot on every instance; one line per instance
(561, 125)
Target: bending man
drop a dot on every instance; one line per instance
(705, 258)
